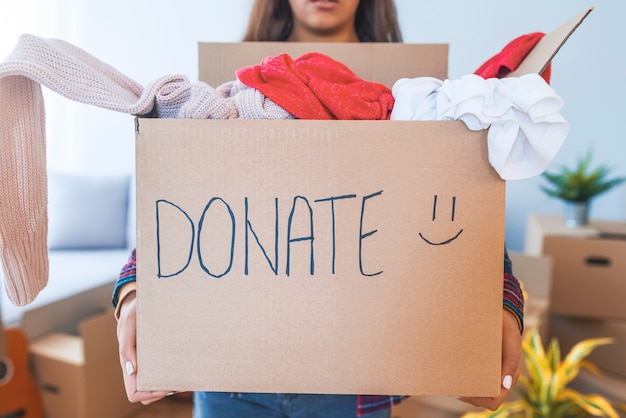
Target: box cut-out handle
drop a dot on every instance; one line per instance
(597, 261)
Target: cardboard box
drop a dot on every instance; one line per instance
(351, 312)
(540, 226)
(75, 360)
(610, 358)
(589, 268)
(589, 276)
(319, 256)
(370, 61)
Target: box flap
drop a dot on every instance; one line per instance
(99, 337)
(62, 347)
(106, 396)
(379, 62)
(63, 315)
(534, 272)
(315, 257)
(541, 55)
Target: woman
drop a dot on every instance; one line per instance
(323, 21)
(311, 21)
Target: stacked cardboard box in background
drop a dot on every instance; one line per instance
(588, 288)
(74, 353)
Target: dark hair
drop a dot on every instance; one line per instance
(272, 20)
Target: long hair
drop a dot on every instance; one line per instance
(375, 21)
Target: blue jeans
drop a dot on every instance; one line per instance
(272, 405)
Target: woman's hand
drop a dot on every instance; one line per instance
(511, 357)
(127, 338)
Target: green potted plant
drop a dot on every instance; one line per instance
(543, 389)
(577, 187)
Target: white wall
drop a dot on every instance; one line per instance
(147, 39)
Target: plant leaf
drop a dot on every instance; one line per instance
(507, 409)
(579, 185)
(554, 354)
(579, 352)
(537, 367)
(589, 366)
(595, 405)
(543, 390)
(567, 408)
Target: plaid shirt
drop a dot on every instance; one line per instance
(513, 300)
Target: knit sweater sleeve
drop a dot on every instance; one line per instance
(513, 297)
(127, 275)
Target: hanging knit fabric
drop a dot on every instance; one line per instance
(80, 77)
(23, 196)
(315, 86)
(251, 103)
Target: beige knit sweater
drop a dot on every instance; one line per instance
(80, 77)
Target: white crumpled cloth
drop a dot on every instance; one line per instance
(526, 129)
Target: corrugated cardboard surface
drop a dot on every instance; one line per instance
(534, 272)
(399, 292)
(64, 315)
(79, 375)
(540, 226)
(535, 276)
(589, 276)
(60, 380)
(541, 55)
(380, 62)
(105, 393)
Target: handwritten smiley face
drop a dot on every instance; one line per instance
(448, 240)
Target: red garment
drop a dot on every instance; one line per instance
(314, 86)
(511, 57)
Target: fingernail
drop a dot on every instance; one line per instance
(170, 394)
(507, 381)
(130, 369)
